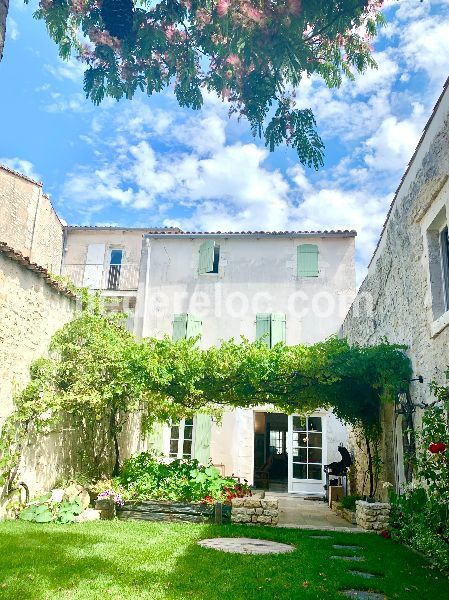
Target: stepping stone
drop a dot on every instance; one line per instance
(353, 558)
(320, 537)
(363, 574)
(362, 595)
(246, 546)
(344, 547)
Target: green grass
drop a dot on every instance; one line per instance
(137, 560)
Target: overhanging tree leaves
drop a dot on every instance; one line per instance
(254, 53)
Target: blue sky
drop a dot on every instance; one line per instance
(147, 162)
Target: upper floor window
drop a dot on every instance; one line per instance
(209, 257)
(307, 260)
(438, 256)
(115, 266)
(270, 328)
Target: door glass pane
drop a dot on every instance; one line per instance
(314, 423)
(315, 440)
(302, 454)
(315, 455)
(299, 423)
(299, 471)
(315, 472)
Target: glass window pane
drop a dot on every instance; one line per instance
(314, 423)
(299, 471)
(315, 472)
(315, 440)
(189, 422)
(173, 447)
(174, 434)
(315, 455)
(303, 439)
(188, 433)
(299, 423)
(187, 450)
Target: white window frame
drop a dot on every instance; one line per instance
(181, 438)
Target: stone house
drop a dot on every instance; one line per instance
(293, 287)
(405, 295)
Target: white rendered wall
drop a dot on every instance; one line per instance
(256, 275)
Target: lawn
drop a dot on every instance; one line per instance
(137, 560)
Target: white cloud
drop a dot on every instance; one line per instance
(71, 69)
(21, 166)
(12, 29)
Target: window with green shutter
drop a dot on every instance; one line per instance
(263, 328)
(270, 328)
(307, 260)
(201, 438)
(209, 257)
(186, 326)
(277, 328)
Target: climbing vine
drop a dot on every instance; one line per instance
(98, 374)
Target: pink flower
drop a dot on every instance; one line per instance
(233, 60)
(223, 7)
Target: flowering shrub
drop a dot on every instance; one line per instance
(111, 494)
(145, 476)
(420, 516)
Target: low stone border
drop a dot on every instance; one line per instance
(372, 515)
(255, 511)
(344, 513)
(159, 510)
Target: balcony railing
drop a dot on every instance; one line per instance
(124, 277)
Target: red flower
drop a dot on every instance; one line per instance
(385, 534)
(438, 447)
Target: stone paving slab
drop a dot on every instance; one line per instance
(348, 558)
(246, 545)
(320, 537)
(346, 547)
(364, 574)
(363, 595)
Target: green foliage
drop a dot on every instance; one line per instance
(146, 477)
(253, 53)
(420, 516)
(98, 374)
(349, 501)
(43, 510)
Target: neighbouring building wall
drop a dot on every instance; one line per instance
(401, 297)
(28, 222)
(31, 310)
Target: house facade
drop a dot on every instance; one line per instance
(405, 295)
(291, 287)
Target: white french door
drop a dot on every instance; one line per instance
(307, 452)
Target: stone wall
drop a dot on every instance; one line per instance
(372, 515)
(31, 310)
(28, 222)
(255, 510)
(396, 300)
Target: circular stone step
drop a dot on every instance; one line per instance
(246, 545)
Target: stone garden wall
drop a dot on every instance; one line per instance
(255, 510)
(372, 515)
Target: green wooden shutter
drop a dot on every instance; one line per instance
(277, 328)
(179, 327)
(263, 327)
(307, 260)
(202, 434)
(206, 259)
(194, 326)
(155, 438)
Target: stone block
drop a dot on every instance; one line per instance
(271, 512)
(263, 519)
(270, 503)
(252, 502)
(237, 502)
(90, 514)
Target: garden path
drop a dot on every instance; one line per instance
(296, 512)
